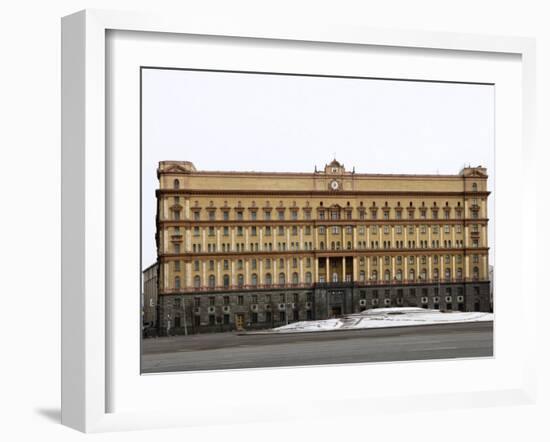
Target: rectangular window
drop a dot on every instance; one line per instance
(197, 265)
(226, 300)
(267, 215)
(239, 215)
(196, 216)
(294, 215)
(226, 215)
(177, 266)
(386, 230)
(210, 231)
(281, 214)
(398, 230)
(211, 215)
(281, 230)
(308, 230)
(239, 231)
(398, 214)
(335, 229)
(307, 214)
(268, 231)
(196, 231)
(240, 300)
(211, 301)
(254, 299)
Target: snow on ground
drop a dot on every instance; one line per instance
(384, 317)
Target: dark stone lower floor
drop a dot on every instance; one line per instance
(259, 309)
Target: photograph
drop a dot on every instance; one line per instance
(302, 220)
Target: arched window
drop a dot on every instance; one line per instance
(254, 279)
(459, 273)
(211, 281)
(177, 282)
(226, 281)
(176, 184)
(374, 276)
(362, 276)
(399, 275)
(423, 274)
(295, 278)
(308, 277)
(268, 279)
(334, 276)
(349, 245)
(476, 273)
(322, 245)
(411, 275)
(436, 273)
(474, 187)
(281, 278)
(333, 245)
(240, 280)
(447, 274)
(387, 275)
(197, 281)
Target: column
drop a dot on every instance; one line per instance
(327, 267)
(393, 268)
(261, 237)
(166, 272)
(484, 268)
(233, 239)
(392, 236)
(453, 269)
(417, 229)
(204, 239)
(430, 267)
(275, 277)
(343, 268)
(301, 263)
(246, 272)
(288, 279)
(380, 276)
(233, 272)
(417, 271)
(315, 238)
(261, 267)
(483, 236)
(188, 240)
(405, 235)
(218, 244)
(354, 232)
(188, 274)
(368, 268)
(453, 235)
(355, 273)
(441, 235)
(405, 264)
(187, 208)
(316, 270)
(218, 273)
(203, 278)
(246, 245)
(429, 236)
(301, 238)
(467, 266)
(368, 235)
(287, 237)
(466, 235)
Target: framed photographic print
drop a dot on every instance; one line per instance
(319, 211)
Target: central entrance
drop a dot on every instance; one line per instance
(336, 312)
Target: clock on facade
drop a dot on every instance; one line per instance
(334, 185)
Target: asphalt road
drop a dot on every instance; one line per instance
(231, 350)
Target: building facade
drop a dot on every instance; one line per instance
(255, 250)
(149, 300)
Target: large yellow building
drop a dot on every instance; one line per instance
(260, 249)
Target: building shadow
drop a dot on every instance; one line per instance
(51, 414)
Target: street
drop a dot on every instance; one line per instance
(232, 350)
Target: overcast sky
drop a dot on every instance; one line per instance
(231, 121)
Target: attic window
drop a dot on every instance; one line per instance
(474, 187)
(334, 169)
(176, 184)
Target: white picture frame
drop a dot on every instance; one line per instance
(86, 317)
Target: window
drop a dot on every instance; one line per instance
(386, 230)
(398, 230)
(253, 231)
(196, 231)
(294, 215)
(281, 231)
(196, 215)
(177, 282)
(267, 215)
(197, 281)
(281, 278)
(294, 230)
(226, 281)
(308, 277)
(176, 184)
(211, 281)
(239, 231)
(176, 249)
(239, 215)
(308, 230)
(211, 301)
(253, 215)
(197, 302)
(210, 231)
(240, 280)
(254, 279)
(240, 300)
(177, 266)
(196, 265)
(268, 279)
(281, 214)
(268, 231)
(295, 278)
